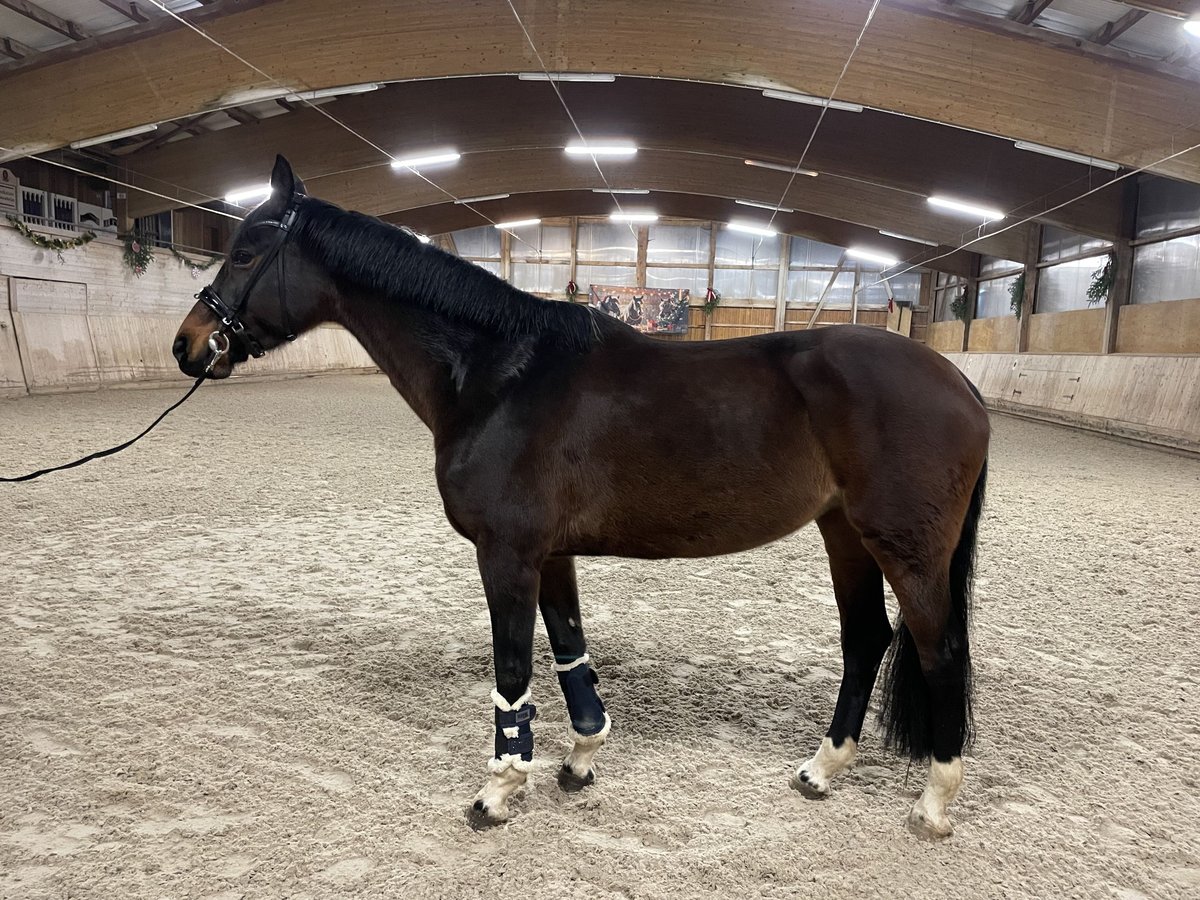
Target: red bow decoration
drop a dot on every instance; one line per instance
(710, 295)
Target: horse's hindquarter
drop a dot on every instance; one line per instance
(667, 450)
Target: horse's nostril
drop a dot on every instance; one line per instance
(180, 348)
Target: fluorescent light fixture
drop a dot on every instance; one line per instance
(334, 92)
(595, 77)
(467, 200)
(1067, 155)
(813, 101)
(114, 136)
(871, 256)
(518, 223)
(759, 164)
(620, 191)
(905, 237)
(633, 217)
(245, 196)
(430, 159)
(769, 206)
(600, 149)
(751, 228)
(1192, 26)
(423, 238)
(966, 209)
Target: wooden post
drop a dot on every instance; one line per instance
(506, 256)
(643, 244)
(1122, 288)
(781, 285)
(1033, 255)
(854, 294)
(972, 299)
(712, 268)
(575, 255)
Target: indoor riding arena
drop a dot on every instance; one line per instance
(542, 449)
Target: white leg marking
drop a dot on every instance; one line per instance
(579, 760)
(928, 817)
(814, 776)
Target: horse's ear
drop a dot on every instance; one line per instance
(284, 182)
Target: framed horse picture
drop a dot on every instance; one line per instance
(649, 310)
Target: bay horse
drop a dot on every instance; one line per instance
(562, 432)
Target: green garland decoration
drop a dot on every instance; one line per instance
(1102, 282)
(958, 306)
(197, 267)
(712, 299)
(58, 245)
(137, 254)
(1016, 295)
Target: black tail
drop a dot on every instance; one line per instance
(906, 713)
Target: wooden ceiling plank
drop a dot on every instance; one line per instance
(1099, 103)
(1113, 30)
(47, 19)
(129, 10)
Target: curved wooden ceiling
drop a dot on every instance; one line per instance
(915, 59)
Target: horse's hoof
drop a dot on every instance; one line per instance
(807, 785)
(928, 828)
(571, 783)
(480, 818)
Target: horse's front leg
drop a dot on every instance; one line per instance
(511, 584)
(559, 600)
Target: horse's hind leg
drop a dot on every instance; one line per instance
(866, 633)
(559, 601)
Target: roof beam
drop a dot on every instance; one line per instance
(1113, 30)
(13, 48)
(1033, 9)
(65, 27)
(241, 116)
(128, 10)
(189, 125)
(1178, 9)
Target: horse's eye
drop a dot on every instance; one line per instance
(242, 257)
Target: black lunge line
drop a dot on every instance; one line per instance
(217, 353)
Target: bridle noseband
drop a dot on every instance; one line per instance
(231, 316)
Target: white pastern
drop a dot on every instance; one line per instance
(579, 760)
(506, 776)
(814, 776)
(928, 817)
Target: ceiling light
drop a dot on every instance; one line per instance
(240, 197)
(966, 209)
(770, 206)
(813, 101)
(750, 228)
(1067, 155)
(467, 200)
(633, 217)
(429, 159)
(870, 256)
(518, 223)
(905, 237)
(1192, 26)
(423, 238)
(758, 163)
(113, 136)
(620, 191)
(334, 92)
(596, 77)
(600, 149)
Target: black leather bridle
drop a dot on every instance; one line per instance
(231, 316)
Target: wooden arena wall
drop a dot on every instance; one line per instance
(86, 322)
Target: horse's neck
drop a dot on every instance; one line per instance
(410, 347)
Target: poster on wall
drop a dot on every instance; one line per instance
(9, 191)
(651, 310)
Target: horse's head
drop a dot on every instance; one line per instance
(266, 292)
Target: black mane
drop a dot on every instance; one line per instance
(361, 251)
